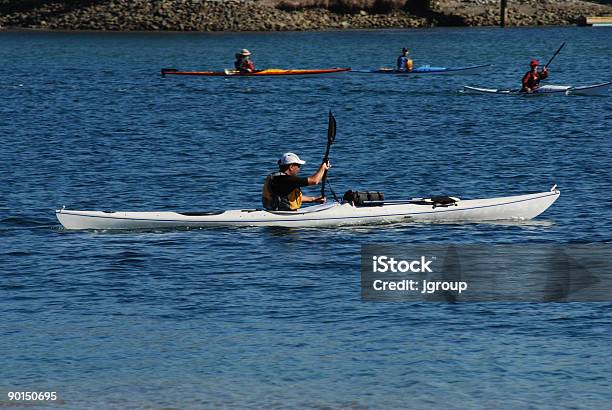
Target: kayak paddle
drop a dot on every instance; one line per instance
(165, 71)
(229, 72)
(331, 137)
(554, 55)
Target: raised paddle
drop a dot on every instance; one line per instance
(554, 55)
(331, 137)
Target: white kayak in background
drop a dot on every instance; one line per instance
(596, 89)
(521, 207)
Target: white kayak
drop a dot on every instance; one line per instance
(596, 89)
(521, 207)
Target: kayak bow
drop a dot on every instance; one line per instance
(260, 73)
(521, 207)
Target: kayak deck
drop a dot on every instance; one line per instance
(427, 70)
(260, 73)
(521, 207)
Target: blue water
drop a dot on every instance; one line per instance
(272, 318)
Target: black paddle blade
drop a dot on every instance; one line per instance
(331, 128)
(164, 71)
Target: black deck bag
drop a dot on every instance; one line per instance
(364, 198)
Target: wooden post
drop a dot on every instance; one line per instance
(503, 13)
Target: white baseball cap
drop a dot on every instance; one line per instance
(290, 158)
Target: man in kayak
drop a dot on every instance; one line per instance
(531, 79)
(404, 62)
(281, 191)
(243, 62)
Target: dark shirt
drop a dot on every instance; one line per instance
(401, 63)
(282, 185)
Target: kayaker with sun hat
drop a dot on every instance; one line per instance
(531, 79)
(404, 62)
(281, 191)
(243, 61)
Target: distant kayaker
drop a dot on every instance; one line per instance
(243, 62)
(404, 62)
(531, 79)
(281, 191)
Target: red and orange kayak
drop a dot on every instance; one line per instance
(260, 73)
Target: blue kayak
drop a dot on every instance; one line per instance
(427, 70)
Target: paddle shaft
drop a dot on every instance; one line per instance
(325, 159)
(331, 136)
(229, 72)
(554, 55)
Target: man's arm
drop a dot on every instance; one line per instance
(320, 199)
(317, 177)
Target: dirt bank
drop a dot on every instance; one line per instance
(280, 15)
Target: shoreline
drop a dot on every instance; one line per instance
(327, 30)
(272, 15)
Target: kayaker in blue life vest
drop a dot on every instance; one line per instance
(531, 79)
(243, 62)
(281, 191)
(404, 62)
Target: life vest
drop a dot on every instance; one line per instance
(274, 202)
(409, 64)
(532, 80)
(244, 65)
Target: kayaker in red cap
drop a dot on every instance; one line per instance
(531, 79)
(243, 62)
(281, 191)
(404, 62)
